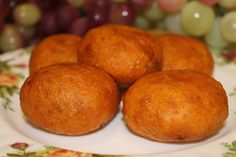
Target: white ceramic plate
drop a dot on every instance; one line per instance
(115, 138)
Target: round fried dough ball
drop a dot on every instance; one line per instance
(175, 106)
(55, 49)
(183, 52)
(69, 98)
(125, 52)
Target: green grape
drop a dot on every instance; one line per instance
(154, 13)
(197, 18)
(76, 3)
(173, 24)
(26, 14)
(142, 22)
(10, 38)
(27, 32)
(230, 4)
(215, 38)
(228, 26)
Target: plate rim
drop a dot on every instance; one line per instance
(5, 146)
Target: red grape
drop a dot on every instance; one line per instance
(66, 14)
(4, 7)
(9, 7)
(89, 5)
(46, 5)
(122, 13)
(171, 6)
(36, 2)
(37, 38)
(142, 2)
(97, 17)
(48, 24)
(1, 24)
(13, 3)
(79, 26)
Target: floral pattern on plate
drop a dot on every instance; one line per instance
(20, 149)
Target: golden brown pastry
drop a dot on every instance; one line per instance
(125, 52)
(69, 98)
(54, 49)
(175, 106)
(183, 52)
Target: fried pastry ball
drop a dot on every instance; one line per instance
(182, 52)
(125, 52)
(69, 98)
(175, 106)
(54, 49)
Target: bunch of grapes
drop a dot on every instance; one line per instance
(25, 22)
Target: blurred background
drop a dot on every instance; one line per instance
(26, 22)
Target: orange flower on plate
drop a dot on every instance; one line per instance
(7, 79)
(67, 153)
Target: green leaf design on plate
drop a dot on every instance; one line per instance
(21, 150)
(233, 92)
(5, 94)
(231, 149)
(9, 80)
